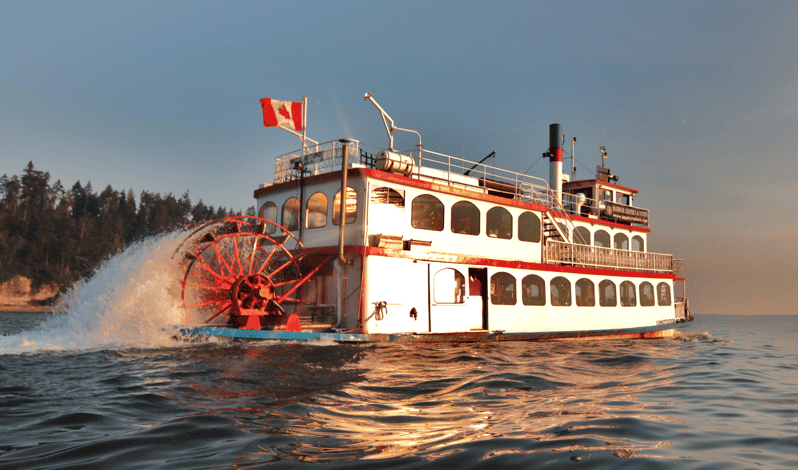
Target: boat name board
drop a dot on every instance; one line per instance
(624, 213)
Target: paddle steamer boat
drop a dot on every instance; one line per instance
(422, 246)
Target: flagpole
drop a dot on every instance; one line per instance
(304, 119)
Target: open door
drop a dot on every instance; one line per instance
(478, 292)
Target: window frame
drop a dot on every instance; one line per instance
(582, 299)
(628, 287)
(423, 221)
(604, 299)
(351, 215)
(510, 297)
(559, 283)
(525, 229)
(262, 214)
(540, 299)
(494, 219)
(290, 211)
(309, 215)
(459, 287)
(465, 211)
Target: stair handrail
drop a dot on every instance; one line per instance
(555, 205)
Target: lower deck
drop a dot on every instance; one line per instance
(380, 292)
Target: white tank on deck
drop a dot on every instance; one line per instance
(395, 162)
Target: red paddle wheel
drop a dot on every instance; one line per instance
(240, 269)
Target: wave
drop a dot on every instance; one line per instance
(132, 300)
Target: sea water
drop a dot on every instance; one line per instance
(102, 384)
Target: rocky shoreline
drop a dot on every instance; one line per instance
(17, 295)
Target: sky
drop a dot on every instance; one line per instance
(695, 101)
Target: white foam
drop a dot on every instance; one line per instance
(132, 300)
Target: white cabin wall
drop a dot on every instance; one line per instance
(521, 318)
(402, 285)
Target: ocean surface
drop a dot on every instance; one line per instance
(101, 384)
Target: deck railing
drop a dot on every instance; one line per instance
(315, 159)
(573, 254)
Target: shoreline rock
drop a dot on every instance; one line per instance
(17, 295)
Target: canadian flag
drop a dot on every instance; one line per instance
(287, 114)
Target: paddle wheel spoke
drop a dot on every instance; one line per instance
(235, 269)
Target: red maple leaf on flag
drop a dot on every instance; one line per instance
(284, 112)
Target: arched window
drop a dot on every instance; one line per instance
(607, 297)
(500, 223)
(628, 294)
(385, 195)
(560, 288)
(502, 289)
(638, 244)
(582, 236)
(316, 211)
(601, 238)
(533, 290)
(290, 218)
(529, 227)
(426, 213)
(448, 287)
(664, 294)
(465, 218)
(269, 211)
(585, 293)
(621, 241)
(350, 206)
(646, 294)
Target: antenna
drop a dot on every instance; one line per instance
(573, 159)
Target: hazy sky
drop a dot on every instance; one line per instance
(696, 101)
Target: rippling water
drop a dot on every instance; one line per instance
(96, 387)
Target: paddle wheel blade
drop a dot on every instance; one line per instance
(239, 267)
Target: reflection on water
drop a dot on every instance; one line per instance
(701, 400)
(344, 403)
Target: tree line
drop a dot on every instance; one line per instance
(54, 235)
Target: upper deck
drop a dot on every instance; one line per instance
(575, 228)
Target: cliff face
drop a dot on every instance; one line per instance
(17, 295)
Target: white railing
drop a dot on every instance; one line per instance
(574, 254)
(483, 178)
(315, 159)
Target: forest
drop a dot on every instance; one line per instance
(53, 235)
